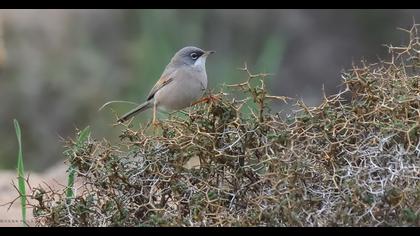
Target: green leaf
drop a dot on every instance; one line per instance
(83, 137)
(21, 173)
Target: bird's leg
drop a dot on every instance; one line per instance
(155, 122)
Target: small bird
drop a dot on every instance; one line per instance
(183, 82)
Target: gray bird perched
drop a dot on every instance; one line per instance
(183, 82)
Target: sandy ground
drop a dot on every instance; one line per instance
(54, 176)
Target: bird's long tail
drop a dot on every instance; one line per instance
(142, 107)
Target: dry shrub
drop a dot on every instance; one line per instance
(351, 161)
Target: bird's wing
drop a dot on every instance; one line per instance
(165, 79)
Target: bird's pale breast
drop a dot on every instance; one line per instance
(187, 87)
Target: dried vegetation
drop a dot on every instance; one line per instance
(353, 160)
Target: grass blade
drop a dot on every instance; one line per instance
(81, 139)
(70, 183)
(21, 173)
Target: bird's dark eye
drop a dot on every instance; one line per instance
(194, 55)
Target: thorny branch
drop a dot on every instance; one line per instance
(352, 160)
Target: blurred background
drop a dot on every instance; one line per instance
(57, 67)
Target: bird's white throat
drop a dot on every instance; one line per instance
(200, 63)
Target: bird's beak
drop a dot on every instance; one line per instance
(208, 52)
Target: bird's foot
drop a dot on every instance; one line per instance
(207, 99)
(156, 123)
